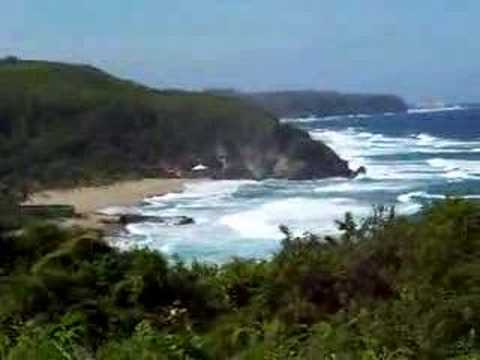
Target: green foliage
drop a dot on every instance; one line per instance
(9, 209)
(46, 212)
(148, 343)
(63, 340)
(387, 288)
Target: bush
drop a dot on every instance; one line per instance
(387, 288)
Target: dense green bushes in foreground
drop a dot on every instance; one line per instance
(389, 288)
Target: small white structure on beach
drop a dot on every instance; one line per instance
(200, 167)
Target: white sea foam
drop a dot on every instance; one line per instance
(359, 116)
(204, 194)
(118, 210)
(458, 175)
(381, 144)
(360, 148)
(408, 209)
(313, 118)
(358, 186)
(301, 214)
(300, 119)
(345, 143)
(408, 197)
(433, 110)
(205, 188)
(456, 169)
(425, 139)
(442, 163)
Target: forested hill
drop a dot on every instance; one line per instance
(320, 103)
(63, 123)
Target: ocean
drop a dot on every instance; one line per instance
(412, 159)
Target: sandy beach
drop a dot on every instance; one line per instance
(89, 200)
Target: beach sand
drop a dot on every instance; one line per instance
(89, 200)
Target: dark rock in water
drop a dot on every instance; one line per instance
(314, 160)
(360, 171)
(126, 219)
(184, 220)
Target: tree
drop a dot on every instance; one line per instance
(9, 209)
(10, 59)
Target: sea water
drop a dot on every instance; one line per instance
(411, 159)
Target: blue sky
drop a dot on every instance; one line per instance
(418, 49)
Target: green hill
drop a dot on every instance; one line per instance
(63, 123)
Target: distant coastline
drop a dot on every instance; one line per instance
(301, 103)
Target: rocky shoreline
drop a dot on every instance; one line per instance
(87, 202)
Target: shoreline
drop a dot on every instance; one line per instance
(89, 200)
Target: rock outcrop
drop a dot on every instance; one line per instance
(165, 220)
(126, 219)
(289, 153)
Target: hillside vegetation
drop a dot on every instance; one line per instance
(62, 123)
(287, 104)
(387, 288)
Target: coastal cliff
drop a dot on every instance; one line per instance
(61, 124)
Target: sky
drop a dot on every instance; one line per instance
(417, 49)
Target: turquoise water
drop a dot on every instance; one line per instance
(411, 159)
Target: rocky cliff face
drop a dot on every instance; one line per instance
(289, 153)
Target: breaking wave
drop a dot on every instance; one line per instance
(433, 110)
